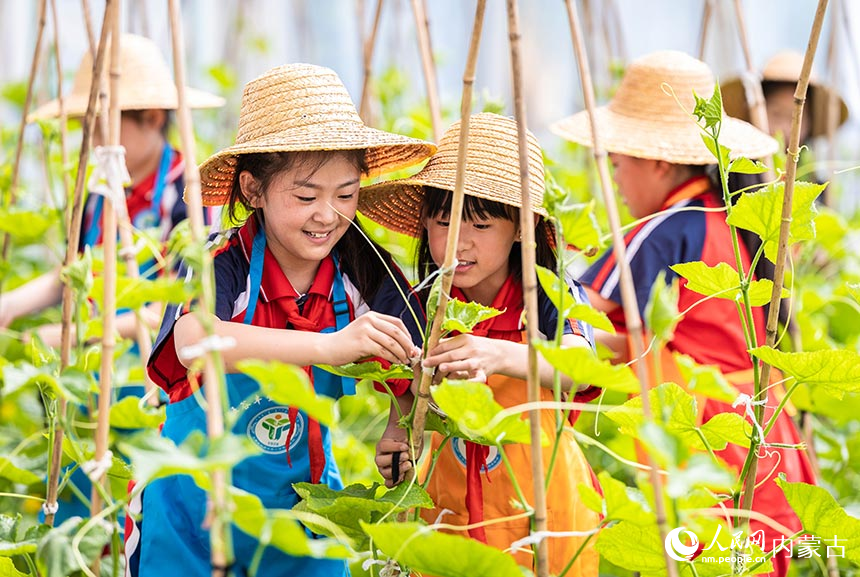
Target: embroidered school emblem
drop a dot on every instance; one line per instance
(269, 429)
(458, 445)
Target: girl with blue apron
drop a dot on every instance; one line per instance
(173, 540)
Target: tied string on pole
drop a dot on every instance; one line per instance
(110, 176)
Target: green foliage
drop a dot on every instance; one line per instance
(761, 212)
(721, 281)
(581, 365)
(838, 370)
(821, 515)
(472, 408)
(661, 312)
(559, 295)
(710, 110)
(26, 226)
(463, 316)
(705, 380)
(289, 385)
(634, 547)
(356, 504)
(130, 413)
(370, 371)
(136, 293)
(420, 548)
(743, 165)
(577, 220)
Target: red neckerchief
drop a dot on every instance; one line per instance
(276, 288)
(505, 326)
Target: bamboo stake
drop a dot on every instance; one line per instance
(88, 25)
(64, 152)
(422, 25)
(530, 300)
(369, 45)
(221, 555)
(19, 147)
(421, 402)
(758, 109)
(785, 223)
(109, 228)
(628, 293)
(707, 10)
(73, 234)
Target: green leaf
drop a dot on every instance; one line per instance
(699, 471)
(724, 152)
(8, 569)
(371, 371)
(578, 223)
(472, 407)
(136, 293)
(581, 365)
(705, 380)
(420, 548)
(25, 226)
(8, 470)
(357, 503)
(661, 312)
(633, 547)
(79, 274)
(624, 503)
(289, 385)
(154, 456)
(761, 212)
(55, 556)
(679, 411)
(129, 413)
(722, 282)
(854, 291)
(279, 528)
(590, 497)
(838, 370)
(743, 165)
(819, 513)
(463, 316)
(559, 295)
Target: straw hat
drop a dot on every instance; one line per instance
(785, 67)
(301, 108)
(492, 173)
(643, 121)
(145, 83)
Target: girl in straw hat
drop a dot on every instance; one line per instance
(297, 283)
(659, 160)
(468, 480)
(147, 94)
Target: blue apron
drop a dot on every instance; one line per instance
(173, 542)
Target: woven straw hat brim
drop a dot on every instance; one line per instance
(491, 173)
(152, 99)
(735, 102)
(386, 152)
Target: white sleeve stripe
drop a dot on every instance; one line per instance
(634, 246)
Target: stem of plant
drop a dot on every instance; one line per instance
(628, 294)
(560, 415)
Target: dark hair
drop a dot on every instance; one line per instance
(356, 252)
(137, 116)
(437, 202)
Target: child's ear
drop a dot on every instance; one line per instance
(250, 187)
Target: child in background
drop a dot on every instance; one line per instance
(297, 283)
(659, 164)
(468, 480)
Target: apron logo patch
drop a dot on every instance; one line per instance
(269, 429)
(458, 445)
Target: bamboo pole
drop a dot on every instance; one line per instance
(785, 223)
(422, 25)
(73, 235)
(530, 300)
(619, 248)
(64, 152)
(221, 554)
(369, 45)
(707, 10)
(109, 230)
(423, 398)
(758, 109)
(19, 147)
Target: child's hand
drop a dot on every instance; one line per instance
(387, 450)
(466, 357)
(372, 335)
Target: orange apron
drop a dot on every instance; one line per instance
(794, 464)
(565, 510)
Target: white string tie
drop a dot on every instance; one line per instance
(96, 469)
(748, 403)
(50, 508)
(210, 343)
(110, 176)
